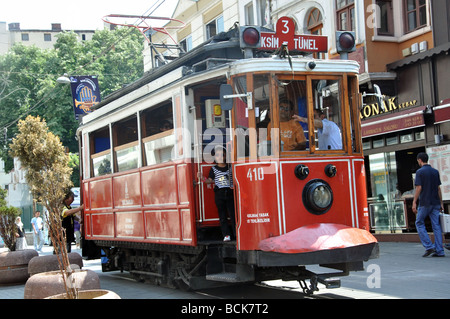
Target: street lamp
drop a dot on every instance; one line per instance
(63, 79)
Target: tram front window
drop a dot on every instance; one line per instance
(327, 114)
(292, 105)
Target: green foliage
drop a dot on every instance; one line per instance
(28, 79)
(3, 194)
(42, 155)
(74, 163)
(8, 228)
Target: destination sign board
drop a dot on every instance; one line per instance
(285, 34)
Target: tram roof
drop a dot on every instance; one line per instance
(220, 53)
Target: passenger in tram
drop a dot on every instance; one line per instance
(291, 132)
(328, 132)
(165, 126)
(221, 176)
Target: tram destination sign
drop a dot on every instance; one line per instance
(285, 33)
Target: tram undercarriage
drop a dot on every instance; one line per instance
(215, 264)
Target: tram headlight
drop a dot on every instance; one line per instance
(317, 197)
(345, 41)
(250, 37)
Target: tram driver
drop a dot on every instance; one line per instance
(291, 132)
(328, 132)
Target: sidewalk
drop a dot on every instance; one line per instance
(121, 283)
(400, 272)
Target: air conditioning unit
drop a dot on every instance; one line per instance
(415, 48)
(406, 52)
(423, 46)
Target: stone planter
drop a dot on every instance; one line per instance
(14, 266)
(42, 285)
(90, 294)
(50, 263)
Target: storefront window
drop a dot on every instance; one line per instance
(392, 140)
(387, 210)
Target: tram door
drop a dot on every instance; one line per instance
(212, 127)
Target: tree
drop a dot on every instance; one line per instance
(8, 228)
(28, 79)
(48, 175)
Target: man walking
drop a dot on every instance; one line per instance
(38, 234)
(428, 192)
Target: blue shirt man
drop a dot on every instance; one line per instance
(328, 132)
(428, 192)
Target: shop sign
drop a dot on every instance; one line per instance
(440, 160)
(388, 106)
(442, 112)
(393, 122)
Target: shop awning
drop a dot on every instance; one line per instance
(442, 113)
(445, 48)
(394, 122)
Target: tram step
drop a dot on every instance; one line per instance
(331, 283)
(224, 276)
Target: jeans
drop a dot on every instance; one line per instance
(38, 240)
(433, 213)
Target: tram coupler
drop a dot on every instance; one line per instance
(325, 279)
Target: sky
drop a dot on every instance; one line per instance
(77, 15)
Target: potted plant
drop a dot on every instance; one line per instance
(49, 177)
(13, 264)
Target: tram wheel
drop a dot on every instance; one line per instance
(183, 280)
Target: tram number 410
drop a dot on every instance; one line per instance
(255, 174)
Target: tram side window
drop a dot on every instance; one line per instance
(100, 152)
(126, 148)
(261, 93)
(353, 98)
(158, 134)
(241, 118)
(327, 114)
(293, 133)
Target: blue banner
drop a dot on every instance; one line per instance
(85, 94)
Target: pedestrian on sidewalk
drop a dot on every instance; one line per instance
(428, 192)
(38, 225)
(21, 242)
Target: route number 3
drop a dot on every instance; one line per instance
(285, 29)
(256, 174)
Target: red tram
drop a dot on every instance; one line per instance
(296, 206)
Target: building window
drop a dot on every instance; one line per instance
(249, 14)
(83, 37)
(264, 16)
(186, 44)
(47, 37)
(315, 23)
(315, 26)
(415, 14)
(385, 18)
(25, 37)
(345, 12)
(215, 27)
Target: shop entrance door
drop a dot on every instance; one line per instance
(386, 209)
